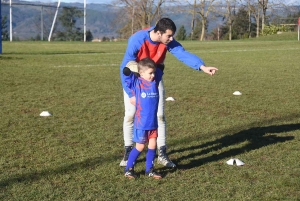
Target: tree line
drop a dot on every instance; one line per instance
(66, 30)
(240, 19)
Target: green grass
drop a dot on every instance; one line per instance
(74, 155)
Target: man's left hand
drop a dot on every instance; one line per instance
(209, 70)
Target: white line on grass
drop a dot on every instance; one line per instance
(242, 50)
(85, 53)
(80, 66)
(247, 50)
(213, 51)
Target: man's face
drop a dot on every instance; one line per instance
(166, 37)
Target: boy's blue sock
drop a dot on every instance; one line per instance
(150, 156)
(134, 154)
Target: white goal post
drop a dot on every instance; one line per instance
(53, 22)
(84, 19)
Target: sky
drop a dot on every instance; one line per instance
(69, 1)
(110, 1)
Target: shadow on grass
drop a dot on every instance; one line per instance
(9, 58)
(57, 53)
(163, 171)
(255, 138)
(34, 176)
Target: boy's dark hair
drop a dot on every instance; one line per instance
(163, 24)
(146, 63)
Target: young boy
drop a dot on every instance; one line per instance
(144, 87)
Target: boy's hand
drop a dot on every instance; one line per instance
(127, 71)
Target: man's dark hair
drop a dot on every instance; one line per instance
(163, 24)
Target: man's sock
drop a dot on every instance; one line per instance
(134, 154)
(150, 156)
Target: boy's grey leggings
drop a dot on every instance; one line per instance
(129, 117)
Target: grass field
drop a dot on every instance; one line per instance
(75, 154)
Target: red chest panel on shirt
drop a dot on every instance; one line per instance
(156, 52)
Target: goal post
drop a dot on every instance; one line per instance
(54, 20)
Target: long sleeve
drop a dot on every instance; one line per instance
(134, 44)
(189, 59)
(129, 81)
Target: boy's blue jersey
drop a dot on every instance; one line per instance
(147, 98)
(140, 46)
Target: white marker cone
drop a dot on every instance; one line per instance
(239, 162)
(170, 99)
(230, 161)
(236, 161)
(237, 93)
(45, 114)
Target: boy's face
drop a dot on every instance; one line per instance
(148, 74)
(166, 37)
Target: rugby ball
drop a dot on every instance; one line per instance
(133, 66)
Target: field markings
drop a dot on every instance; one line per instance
(83, 65)
(206, 51)
(85, 53)
(246, 50)
(202, 51)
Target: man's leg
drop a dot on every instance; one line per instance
(163, 158)
(127, 128)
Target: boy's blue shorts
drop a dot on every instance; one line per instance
(143, 136)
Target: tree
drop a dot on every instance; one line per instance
(193, 20)
(205, 8)
(144, 11)
(38, 37)
(229, 15)
(220, 33)
(197, 30)
(4, 28)
(125, 31)
(68, 19)
(240, 25)
(181, 34)
(264, 6)
(255, 9)
(258, 9)
(139, 14)
(268, 4)
(89, 35)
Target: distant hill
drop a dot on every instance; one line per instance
(101, 19)
(26, 18)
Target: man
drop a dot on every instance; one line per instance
(154, 43)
